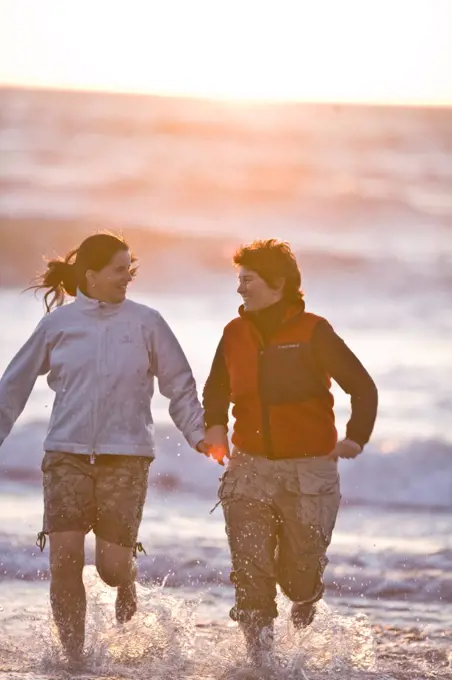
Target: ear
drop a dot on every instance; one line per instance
(90, 277)
(280, 282)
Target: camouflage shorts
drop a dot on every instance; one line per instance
(107, 497)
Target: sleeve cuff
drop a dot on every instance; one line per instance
(354, 444)
(195, 437)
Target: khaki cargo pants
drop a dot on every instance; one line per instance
(280, 516)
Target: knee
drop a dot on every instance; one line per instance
(253, 595)
(302, 581)
(115, 573)
(109, 575)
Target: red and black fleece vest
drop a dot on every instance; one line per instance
(282, 404)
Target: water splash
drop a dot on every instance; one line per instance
(158, 642)
(166, 639)
(332, 644)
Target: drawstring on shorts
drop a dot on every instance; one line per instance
(138, 547)
(214, 507)
(41, 541)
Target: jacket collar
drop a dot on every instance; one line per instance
(93, 306)
(266, 322)
(291, 310)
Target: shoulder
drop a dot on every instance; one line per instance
(142, 312)
(58, 315)
(54, 322)
(314, 320)
(147, 318)
(235, 324)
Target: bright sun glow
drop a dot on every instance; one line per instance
(394, 51)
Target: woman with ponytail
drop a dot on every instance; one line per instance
(101, 353)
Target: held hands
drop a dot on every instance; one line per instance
(345, 449)
(215, 444)
(201, 447)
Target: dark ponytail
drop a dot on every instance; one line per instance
(60, 278)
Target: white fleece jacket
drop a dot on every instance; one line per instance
(101, 360)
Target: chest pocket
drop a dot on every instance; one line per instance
(287, 374)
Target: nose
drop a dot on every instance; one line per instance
(241, 288)
(129, 277)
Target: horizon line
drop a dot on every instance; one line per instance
(223, 99)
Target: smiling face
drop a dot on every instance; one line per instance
(255, 292)
(110, 283)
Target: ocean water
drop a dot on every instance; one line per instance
(364, 197)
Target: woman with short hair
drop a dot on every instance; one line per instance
(280, 492)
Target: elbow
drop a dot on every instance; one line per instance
(373, 393)
(365, 391)
(368, 391)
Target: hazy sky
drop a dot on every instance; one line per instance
(397, 51)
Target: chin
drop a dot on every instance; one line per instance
(120, 297)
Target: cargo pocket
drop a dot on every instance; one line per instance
(239, 481)
(319, 498)
(228, 485)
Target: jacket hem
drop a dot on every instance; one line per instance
(113, 449)
(291, 456)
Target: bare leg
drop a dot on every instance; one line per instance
(67, 592)
(116, 567)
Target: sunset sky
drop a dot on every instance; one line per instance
(388, 51)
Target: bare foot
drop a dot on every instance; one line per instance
(126, 602)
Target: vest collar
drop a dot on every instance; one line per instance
(292, 309)
(265, 323)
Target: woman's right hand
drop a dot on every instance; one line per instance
(216, 441)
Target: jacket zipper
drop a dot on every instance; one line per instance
(266, 433)
(266, 429)
(92, 458)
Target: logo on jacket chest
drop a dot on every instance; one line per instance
(289, 345)
(126, 339)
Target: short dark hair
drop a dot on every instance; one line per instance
(64, 275)
(272, 260)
